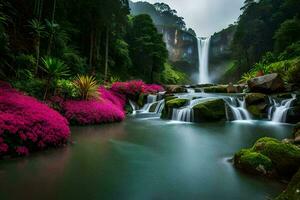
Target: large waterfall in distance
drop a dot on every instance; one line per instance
(203, 51)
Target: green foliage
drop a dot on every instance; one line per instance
(87, 87)
(171, 76)
(293, 74)
(54, 68)
(31, 86)
(287, 34)
(147, 49)
(264, 26)
(67, 89)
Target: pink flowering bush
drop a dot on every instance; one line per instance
(109, 108)
(27, 125)
(133, 89)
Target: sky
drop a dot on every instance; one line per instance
(206, 16)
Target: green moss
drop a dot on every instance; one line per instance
(211, 110)
(258, 111)
(170, 103)
(285, 156)
(216, 89)
(168, 98)
(253, 162)
(176, 103)
(293, 190)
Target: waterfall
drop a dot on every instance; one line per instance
(151, 101)
(278, 111)
(238, 108)
(133, 106)
(186, 114)
(191, 90)
(203, 56)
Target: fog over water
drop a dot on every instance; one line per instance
(206, 16)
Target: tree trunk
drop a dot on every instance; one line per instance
(106, 54)
(91, 48)
(37, 49)
(52, 34)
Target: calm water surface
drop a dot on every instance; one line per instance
(144, 158)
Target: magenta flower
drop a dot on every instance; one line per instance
(25, 122)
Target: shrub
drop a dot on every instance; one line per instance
(109, 108)
(27, 125)
(67, 89)
(132, 89)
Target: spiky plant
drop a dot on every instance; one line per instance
(87, 87)
(247, 76)
(55, 69)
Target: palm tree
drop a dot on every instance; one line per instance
(55, 69)
(38, 30)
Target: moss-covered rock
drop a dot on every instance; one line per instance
(253, 162)
(285, 156)
(170, 89)
(293, 190)
(170, 104)
(153, 107)
(216, 89)
(210, 110)
(257, 104)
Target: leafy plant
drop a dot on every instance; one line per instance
(67, 89)
(248, 76)
(55, 69)
(87, 87)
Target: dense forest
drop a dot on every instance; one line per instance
(46, 43)
(267, 39)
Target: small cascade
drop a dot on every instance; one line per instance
(151, 98)
(151, 101)
(133, 106)
(278, 111)
(191, 90)
(238, 108)
(186, 114)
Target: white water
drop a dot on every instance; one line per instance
(278, 111)
(238, 108)
(151, 101)
(186, 114)
(203, 55)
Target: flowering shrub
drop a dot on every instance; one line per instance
(27, 125)
(134, 88)
(109, 108)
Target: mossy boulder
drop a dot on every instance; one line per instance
(170, 104)
(292, 191)
(285, 157)
(216, 89)
(257, 104)
(170, 89)
(253, 162)
(210, 110)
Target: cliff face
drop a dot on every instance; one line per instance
(220, 52)
(182, 47)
